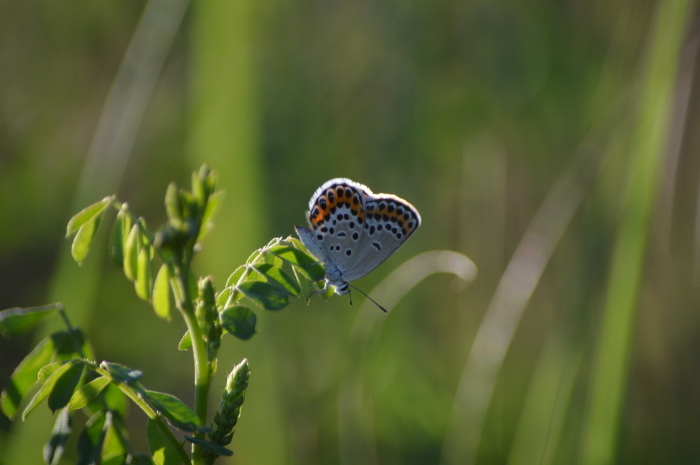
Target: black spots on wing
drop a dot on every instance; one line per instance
(377, 216)
(319, 237)
(342, 234)
(382, 206)
(352, 225)
(315, 213)
(394, 230)
(324, 229)
(360, 220)
(340, 191)
(337, 247)
(332, 231)
(406, 216)
(366, 225)
(377, 245)
(346, 217)
(330, 195)
(354, 212)
(322, 203)
(379, 227)
(399, 211)
(348, 193)
(371, 230)
(333, 209)
(370, 207)
(410, 224)
(355, 200)
(390, 208)
(327, 216)
(355, 236)
(400, 223)
(348, 252)
(385, 217)
(399, 236)
(334, 222)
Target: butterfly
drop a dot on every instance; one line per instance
(352, 230)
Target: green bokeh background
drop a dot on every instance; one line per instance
(471, 110)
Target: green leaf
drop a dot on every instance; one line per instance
(83, 240)
(304, 284)
(115, 399)
(239, 321)
(278, 278)
(121, 373)
(88, 392)
(263, 294)
(17, 320)
(305, 262)
(47, 371)
(59, 435)
(209, 213)
(115, 449)
(120, 233)
(131, 253)
(25, 375)
(72, 345)
(210, 446)
(185, 342)
(87, 214)
(161, 293)
(273, 259)
(222, 297)
(92, 438)
(49, 384)
(172, 408)
(65, 386)
(144, 277)
(236, 276)
(162, 451)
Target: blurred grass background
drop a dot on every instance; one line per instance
(555, 144)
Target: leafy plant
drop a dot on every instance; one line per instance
(70, 378)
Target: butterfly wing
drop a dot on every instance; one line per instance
(336, 218)
(389, 222)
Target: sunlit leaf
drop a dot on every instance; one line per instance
(239, 321)
(236, 276)
(210, 446)
(278, 278)
(162, 451)
(209, 214)
(304, 284)
(185, 342)
(172, 408)
(88, 392)
(92, 438)
(83, 240)
(131, 253)
(47, 371)
(263, 294)
(25, 375)
(306, 263)
(72, 345)
(53, 450)
(161, 293)
(86, 215)
(17, 320)
(144, 277)
(49, 385)
(119, 235)
(115, 449)
(223, 297)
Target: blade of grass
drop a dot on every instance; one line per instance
(609, 375)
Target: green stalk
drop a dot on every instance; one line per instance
(201, 367)
(609, 376)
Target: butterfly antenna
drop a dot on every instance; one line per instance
(374, 301)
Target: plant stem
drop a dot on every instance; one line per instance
(201, 367)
